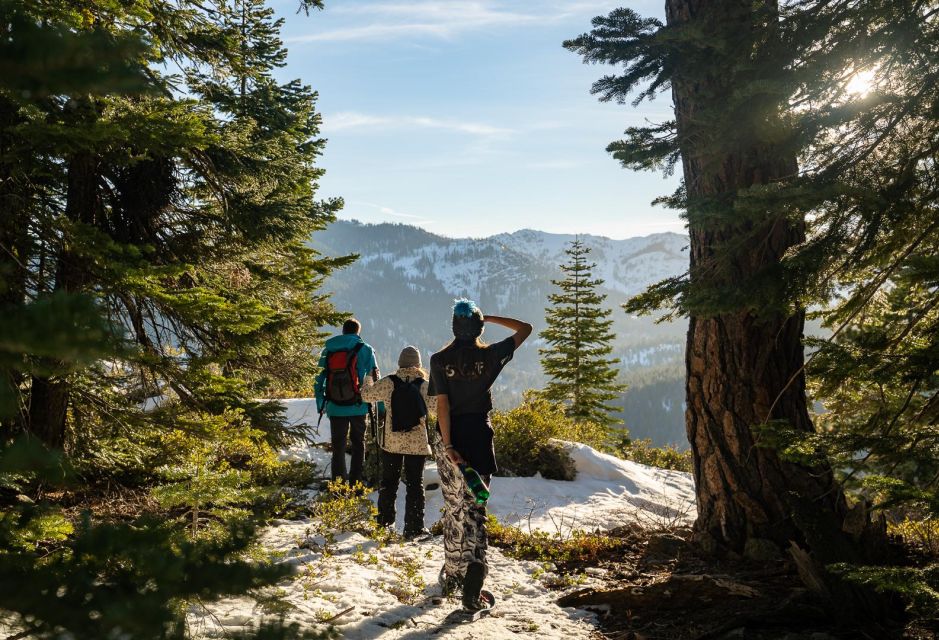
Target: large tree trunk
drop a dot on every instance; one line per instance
(15, 195)
(744, 367)
(49, 393)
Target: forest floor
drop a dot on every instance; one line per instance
(662, 589)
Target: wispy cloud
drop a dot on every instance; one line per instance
(444, 18)
(355, 120)
(552, 164)
(373, 32)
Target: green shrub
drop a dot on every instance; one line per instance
(919, 532)
(95, 580)
(579, 546)
(406, 583)
(523, 438)
(296, 474)
(918, 586)
(206, 495)
(667, 457)
(343, 508)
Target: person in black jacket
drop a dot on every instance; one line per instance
(462, 375)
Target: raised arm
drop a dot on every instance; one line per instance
(522, 329)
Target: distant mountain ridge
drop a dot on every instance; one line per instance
(627, 266)
(406, 278)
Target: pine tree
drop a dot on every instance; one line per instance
(579, 339)
(851, 229)
(128, 266)
(744, 354)
(186, 217)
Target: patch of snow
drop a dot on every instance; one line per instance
(356, 578)
(608, 491)
(347, 581)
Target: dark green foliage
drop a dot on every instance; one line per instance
(867, 192)
(99, 580)
(526, 436)
(154, 280)
(185, 218)
(643, 452)
(121, 578)
(579, 341)
(66, 55)
(918, 586)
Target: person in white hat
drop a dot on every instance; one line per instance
(403, 440)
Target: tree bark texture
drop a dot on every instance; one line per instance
(15, 194)
(49, 394)
(744, 367)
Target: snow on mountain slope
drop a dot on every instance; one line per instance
(459, 264)
(628, 266)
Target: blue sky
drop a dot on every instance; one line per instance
(468, 118)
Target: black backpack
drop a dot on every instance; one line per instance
(407, 404)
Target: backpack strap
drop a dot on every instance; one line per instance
(354, 359)
(395, 380)
(357, 348)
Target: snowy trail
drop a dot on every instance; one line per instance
(364, 582)
(359, 576)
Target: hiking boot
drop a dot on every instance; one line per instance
(419, 535)
(472, 585)
(484, 602)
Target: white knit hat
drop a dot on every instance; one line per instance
(410, 357)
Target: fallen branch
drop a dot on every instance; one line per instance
(338, 615)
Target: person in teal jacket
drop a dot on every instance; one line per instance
(346, 421)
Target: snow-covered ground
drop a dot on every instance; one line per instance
(608, 491)
(356, 578)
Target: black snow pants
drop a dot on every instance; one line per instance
(353, 428)
(414, 490)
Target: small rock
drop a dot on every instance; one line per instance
(761, 550)
(666, 544)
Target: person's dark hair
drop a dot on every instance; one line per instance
(351, 326)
